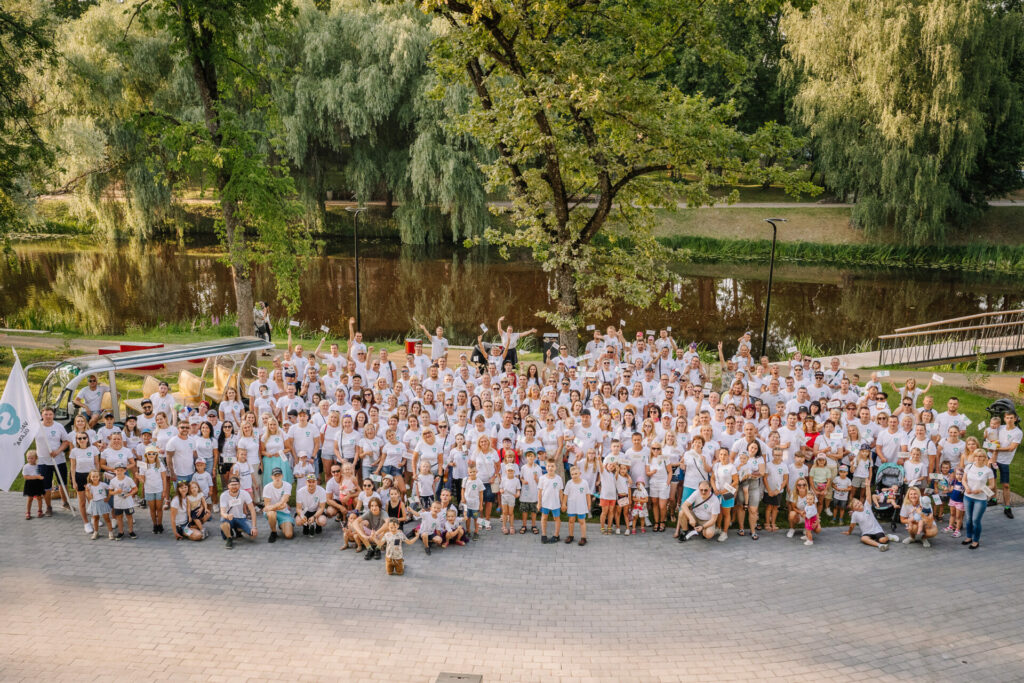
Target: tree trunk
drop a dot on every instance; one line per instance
(389, 203)
(568, 307)
(240, 277)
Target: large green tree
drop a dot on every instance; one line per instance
(572, 95)
(25, 46)
(902, 99)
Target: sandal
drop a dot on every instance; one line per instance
(534, 530)
(522, 530)
(742, 532)
(28, 515)
(754, 536)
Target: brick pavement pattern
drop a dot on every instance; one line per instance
(508, 608)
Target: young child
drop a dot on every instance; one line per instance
(453, 531)
(153, 480)
(426, 484)
(510, 488)
(350, 535)
(122, 492)
(623, 484)
(811, 522)
(841, 485)
(33, 489)
(576, 503)
(608, 497)
(862, 472)
(472, 499)
(244, 471)
(529, 482)
(198, 510)
(916, 471)
(941, 483)
(639, 509)
(550, 502)
(956, 502)
(820, 475)
(392, 539)
(303, 467)
(776, 483)
(205, 481)
(99, 492)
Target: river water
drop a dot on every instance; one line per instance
(106, 290)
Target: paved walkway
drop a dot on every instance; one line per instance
(507, 608)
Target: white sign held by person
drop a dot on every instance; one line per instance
(19, 424)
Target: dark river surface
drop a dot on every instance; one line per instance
(106, 290)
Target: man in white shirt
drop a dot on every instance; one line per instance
(163, 402)
(952, 416)
(310, 502)
(237, 514)
(1010, 436)
(52, 443)
(180, 453)
(90, 399)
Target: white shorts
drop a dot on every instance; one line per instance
(659, 490)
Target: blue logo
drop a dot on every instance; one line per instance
(9, 422)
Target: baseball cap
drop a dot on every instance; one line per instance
(194, 420)
(303, 454)
(310, 477)
(233, 480)
(276, 471)
(152, 449)
(146, 430)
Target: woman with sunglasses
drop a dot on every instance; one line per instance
(84, 459)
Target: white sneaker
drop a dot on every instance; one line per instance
(110, 535)
(926, 543)
(828, 513)
(691, 534)
(883, 547)
(908, 540)
(95, 535)
(486, 524)
(626, 532)
(808, 542)
(618, 532)
(894, 538)
(790, 533)
(88, 528)
(723, 537)
(804, 537)
(216, 508)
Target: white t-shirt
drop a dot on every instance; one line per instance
(1007, 437)
(235, 506)
(704, 510)
(550, 492)
(473, 490)
(92, 398)
(310, 502)
(273, 495)
(85, 459)
(113, 458)
(576, 497)
(865, 519)
(152, 477)
(49, 440)
(179, 511)
(122, 490)
(976, 477)
(181, 452)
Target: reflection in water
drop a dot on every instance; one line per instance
(104, 291)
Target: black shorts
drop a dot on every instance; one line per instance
(773, 500)
(81, 480)
(880, 537)
(225, 467)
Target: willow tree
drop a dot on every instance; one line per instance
(358, 99)
(898, 97)
(572, 95)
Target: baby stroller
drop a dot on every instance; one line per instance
(1000, 407)
(889, 482)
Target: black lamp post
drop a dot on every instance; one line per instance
(355, 211)
(771, 272)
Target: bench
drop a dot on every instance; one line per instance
(190, 389)
(150, 385)
(222, 379)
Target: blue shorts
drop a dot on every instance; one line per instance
(472, 514)
(687, 492)
(284, 517)
(242, 526)
(489, 496)
(1004, 473)
(187, 479)
(557, 512)
(582, 516)
(727, 504)
(154, 496)
(393, 470)
(678, 475)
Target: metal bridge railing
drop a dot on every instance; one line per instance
(997, 333)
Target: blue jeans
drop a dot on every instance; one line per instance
(973, 510)
(240, 525)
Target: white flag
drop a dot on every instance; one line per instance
(19, 424)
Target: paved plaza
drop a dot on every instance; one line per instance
(507, 608)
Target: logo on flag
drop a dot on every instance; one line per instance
(19, 424)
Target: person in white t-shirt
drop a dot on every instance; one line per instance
(871, 532)
(701, 510)
(89, 399)
(438, 344)
(237, 514)
(576, 503)
(310, 502)
(275, 498)
(550, 491)
(1010, 437)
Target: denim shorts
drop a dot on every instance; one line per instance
(489, 496)
(1004, 473)
(154, 496)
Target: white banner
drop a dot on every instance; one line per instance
(19, 424)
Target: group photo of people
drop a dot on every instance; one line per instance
(637, 435)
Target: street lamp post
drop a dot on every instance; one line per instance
(771, 273)
(355, 211)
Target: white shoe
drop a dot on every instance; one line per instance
(723, 537)
(626, 532)
(95, 535)
(790, 533)
(908, 540)
(618, 532)
(894, 538)
(216, 508)
(691, 534)
(828, 513)
(926, 543)
(882, 547)
(110, 535)
(804, 537)
(808, 542)
(88, 528)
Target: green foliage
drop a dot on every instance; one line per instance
(575, 101)
(25, 46)
(899, 99)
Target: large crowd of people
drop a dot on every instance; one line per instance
(636, 435)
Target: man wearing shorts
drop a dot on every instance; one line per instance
(237, 514)
(51, 444)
